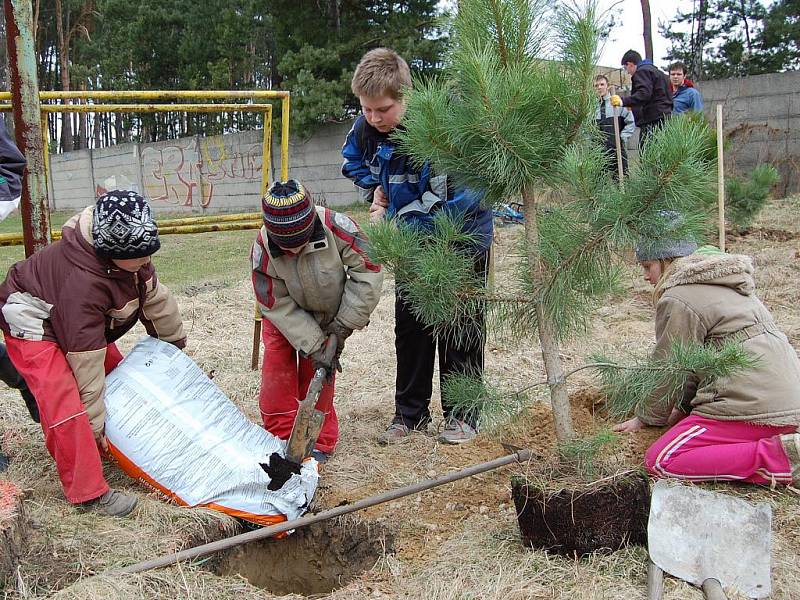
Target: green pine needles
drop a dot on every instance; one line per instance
(746, 196)
(434, 272)
(585, 454)
(488, 406)
(652, 380)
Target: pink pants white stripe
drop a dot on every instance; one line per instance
(703, 449)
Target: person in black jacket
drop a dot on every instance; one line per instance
(650, 98)
(12, 167)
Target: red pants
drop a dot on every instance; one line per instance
(284, 382)
(703, 449)
(67, 432)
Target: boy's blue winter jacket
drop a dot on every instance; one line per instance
(372, 159)
(685, 98)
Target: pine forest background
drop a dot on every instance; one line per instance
(310, 48)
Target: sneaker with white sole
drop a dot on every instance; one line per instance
(457, 431)
(394, 433)
(113, 503)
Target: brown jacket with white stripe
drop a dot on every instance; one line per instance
(330, 278)
(709, 299)
(66, 294)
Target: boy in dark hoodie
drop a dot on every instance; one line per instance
(650, 98)
(62, 309)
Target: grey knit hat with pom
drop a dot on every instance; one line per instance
(668, 246)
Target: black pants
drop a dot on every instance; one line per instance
(611, 161)
(11, 377)
(646, 130)
(416, 347)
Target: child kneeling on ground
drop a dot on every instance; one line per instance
(737, 428)
(62, 309)
(312, 279)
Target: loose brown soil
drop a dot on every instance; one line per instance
(314, 560)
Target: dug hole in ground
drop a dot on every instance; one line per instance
(461, 540)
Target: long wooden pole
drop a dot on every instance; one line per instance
(521, 456)
(721, 177)
(617, 140)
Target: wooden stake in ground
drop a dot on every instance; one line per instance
(256, 339)
(617, 139)
(721, 177)
(15, 529)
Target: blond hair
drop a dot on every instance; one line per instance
(381, 72)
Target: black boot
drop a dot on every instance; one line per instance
(30, 401)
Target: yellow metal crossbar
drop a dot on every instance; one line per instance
(198, 224)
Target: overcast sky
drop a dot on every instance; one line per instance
(628, 32)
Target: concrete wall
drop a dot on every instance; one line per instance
(223, 173)
(201, 174)
(761, 117)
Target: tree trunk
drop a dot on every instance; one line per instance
(63, 61)
(559, 399)
(647, 30)
(83, 136)
(699, 41)
(746, 33)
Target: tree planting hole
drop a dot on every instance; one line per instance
(317, 559)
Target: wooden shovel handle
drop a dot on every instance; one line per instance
(712, 589)
(655, 581)
(256, 338)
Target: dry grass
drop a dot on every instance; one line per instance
(458, 541)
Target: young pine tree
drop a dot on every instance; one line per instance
(512, 117)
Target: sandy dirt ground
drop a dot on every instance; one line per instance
(457, 541)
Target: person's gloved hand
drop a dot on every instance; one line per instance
(342, 333)
(616, 100)
(325, 356)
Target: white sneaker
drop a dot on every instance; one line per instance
(457, 432)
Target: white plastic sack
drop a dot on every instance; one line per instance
(171, 427)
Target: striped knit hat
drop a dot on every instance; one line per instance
(288, 212)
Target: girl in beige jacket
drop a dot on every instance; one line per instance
(738, 428)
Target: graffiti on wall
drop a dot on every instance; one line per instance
(187, 174)
(233, 162)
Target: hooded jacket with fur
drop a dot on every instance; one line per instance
(66, 294)
(709, 299)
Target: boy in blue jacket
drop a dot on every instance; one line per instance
(396, 189)
(685, 96)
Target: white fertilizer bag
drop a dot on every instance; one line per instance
(171, 428)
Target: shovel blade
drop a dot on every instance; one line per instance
(305, 432)
(695, 534)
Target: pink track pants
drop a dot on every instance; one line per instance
(703, 449)
(284, 382)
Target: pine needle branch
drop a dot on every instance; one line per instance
(662, 380)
